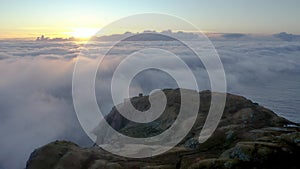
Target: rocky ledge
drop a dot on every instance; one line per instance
(248, 136)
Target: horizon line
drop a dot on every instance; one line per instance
(207, 33)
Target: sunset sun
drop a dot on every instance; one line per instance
(83, 32)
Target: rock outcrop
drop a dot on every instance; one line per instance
(248, 136)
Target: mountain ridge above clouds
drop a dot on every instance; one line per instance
(169, 35)
(248, 136)
(287, 37)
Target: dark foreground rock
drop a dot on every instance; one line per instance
(248, 136)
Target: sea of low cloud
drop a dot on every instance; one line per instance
(36, 85)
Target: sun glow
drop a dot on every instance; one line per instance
(83, 32)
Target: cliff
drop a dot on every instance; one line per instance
(248, 136)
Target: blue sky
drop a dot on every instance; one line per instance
(30, 17)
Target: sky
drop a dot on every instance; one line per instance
(56, 18)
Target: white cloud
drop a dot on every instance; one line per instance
(36, 78)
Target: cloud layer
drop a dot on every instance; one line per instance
(36, 80)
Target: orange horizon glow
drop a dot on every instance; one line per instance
(32, 33)
(83, 33)
(78, 33)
